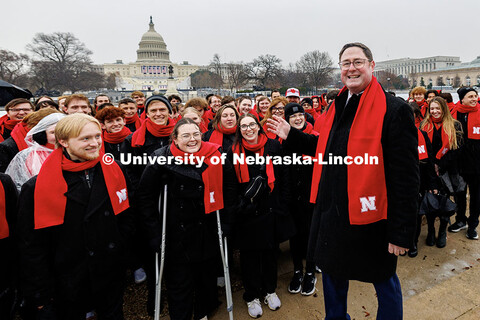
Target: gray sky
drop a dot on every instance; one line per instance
(194, 30)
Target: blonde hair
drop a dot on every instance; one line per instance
(448, 122)
(71, 126)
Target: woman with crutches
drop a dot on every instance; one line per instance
(198, 186)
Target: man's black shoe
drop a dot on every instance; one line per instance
(296, 284)
(472, 234)
(413, 252)
(430, 238)
(442, 239)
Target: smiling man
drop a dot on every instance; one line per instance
(357, 231)
(114, 131)
(73, 223)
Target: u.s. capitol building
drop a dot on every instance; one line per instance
(151, 70)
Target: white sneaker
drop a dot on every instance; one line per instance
(255, 308)
(221, 282)
(139, 275)
(273, 301)
(204, 318)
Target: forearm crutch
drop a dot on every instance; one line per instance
(159, 272)
(226, 273)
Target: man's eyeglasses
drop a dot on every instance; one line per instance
(357, 64)
(245, 127)
(17, 110)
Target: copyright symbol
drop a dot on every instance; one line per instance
(108, 159)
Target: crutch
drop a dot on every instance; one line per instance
(226, 273)
(159, 272)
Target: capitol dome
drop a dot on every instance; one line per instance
(152, 47)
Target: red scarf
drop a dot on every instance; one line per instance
(116, 137)
(217, 135)
(309, 129)
(50, 188)
(473, 120)
(7, 123)
(428, 128)
(451, 106)
(365, 182)
(4, 230)
(241, 169)
(135, 119)
(203, 127)
(212, 176)
(208, 115)
(138, 138)
(18, 134)
(422, 146)
(313, 113)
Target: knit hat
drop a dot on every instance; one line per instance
(158, 98)
(462, 92)
(291, 109)
(306, 100)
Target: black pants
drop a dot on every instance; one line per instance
(191, 289)
(7, 300)
(473, 183)
(259, 273)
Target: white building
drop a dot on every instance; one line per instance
(151, 70)
(407, 66)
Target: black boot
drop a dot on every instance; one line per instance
(413, 252)
(442, 234)
(431, 231)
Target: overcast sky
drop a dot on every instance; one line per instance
(194, 30)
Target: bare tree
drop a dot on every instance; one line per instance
(266, 70)
(237, 75)
(13, 67)
(205, 79)
(68, 58)
(216, 67)
(293, 77)
(318, 68)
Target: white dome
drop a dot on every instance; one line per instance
(152, 47)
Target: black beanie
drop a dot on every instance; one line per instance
(306, 100)
(291, 109)
(462, 92)
(158, 98)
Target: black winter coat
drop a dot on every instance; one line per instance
(7, 250)
(151, 144)
(268, 221)
(360, 252)
(87, 253)
(428, 177)
(8, 150)
(469, 152)
(191, 235)
(227, 139)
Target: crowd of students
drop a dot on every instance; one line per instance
(262, 205)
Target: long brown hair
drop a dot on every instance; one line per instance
(448, 122)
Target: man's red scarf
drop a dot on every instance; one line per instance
(423, 105)
(241, 169)
(365, 182)
(473, 120)
(451, 106)
(212, 176)
(422, 146)
(138, 138)
(18, 134)
(50, 188)
(4, 230)
(7, 123)
(208, 115)
(429, 129)
(114, 137)
(217, 135)
(135, 119)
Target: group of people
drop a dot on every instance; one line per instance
(72, 219)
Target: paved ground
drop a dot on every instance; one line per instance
(437, 284)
